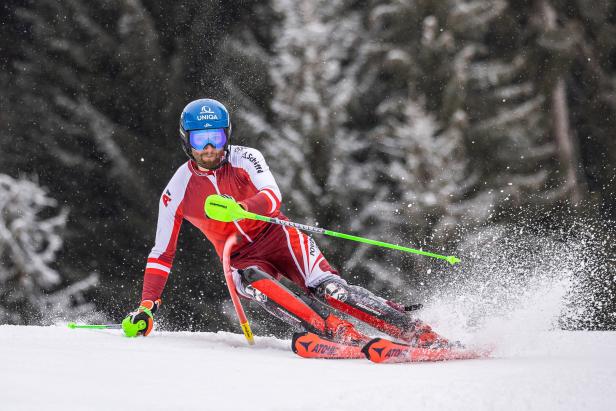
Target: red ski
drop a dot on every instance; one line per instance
(309, 345)
(380, 350)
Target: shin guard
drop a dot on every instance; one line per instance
(282, 302)
(367, 307)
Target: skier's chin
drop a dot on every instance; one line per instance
(211, 164)
(208, 162)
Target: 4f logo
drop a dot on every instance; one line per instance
(166, 198)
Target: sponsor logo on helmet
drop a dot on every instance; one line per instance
(207, 117)
(207, 114)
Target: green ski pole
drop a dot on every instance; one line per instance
(72, 326)
(226, 209)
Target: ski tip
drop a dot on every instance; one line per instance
(366, 348)
(295, 341)
(71, 325)
(380, 350)
(309, 345)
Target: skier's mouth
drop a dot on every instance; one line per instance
(208, 158)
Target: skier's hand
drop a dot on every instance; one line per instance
(237, 202)
(223, 208)
(141, 321)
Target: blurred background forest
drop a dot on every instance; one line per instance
(444, 124)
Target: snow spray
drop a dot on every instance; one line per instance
(518, 281)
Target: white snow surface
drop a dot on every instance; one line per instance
(56, 368)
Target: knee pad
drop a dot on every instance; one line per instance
(335, 288)
(360, 303)
(249, 276)
(253, 273)
(280, 301)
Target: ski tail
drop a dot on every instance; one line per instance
(380, 350)
(310, 345)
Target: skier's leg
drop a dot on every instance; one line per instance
(301, 312)
(381, 314)
(297, 256)
(279, 300)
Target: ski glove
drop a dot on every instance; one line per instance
(141, 321)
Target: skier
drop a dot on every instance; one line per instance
(267, 251)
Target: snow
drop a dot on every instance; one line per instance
(56, 368)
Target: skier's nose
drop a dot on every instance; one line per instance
(209, 149)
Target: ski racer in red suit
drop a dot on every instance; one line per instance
(267, 251)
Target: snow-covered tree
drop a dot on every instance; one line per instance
(308, 132)
(313, 81)
(404, 120)
(399, 120)
(31, 289)
(484, 70)
(93, 103)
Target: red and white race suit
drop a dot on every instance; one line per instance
(246, 177)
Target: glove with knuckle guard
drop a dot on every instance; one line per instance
(141, 321)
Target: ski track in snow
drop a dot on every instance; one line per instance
(55, 368)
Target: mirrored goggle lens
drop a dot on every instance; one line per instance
(199, 139)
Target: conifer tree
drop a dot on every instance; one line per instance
(32, 290)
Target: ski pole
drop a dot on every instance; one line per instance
(226, 264)
(226, 209)
(72, 326)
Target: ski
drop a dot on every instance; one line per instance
(309, 345)
(381, 350)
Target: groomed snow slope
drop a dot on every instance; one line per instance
(55, 368)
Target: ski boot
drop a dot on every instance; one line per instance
(342, 331)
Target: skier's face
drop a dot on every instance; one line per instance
(209, 157)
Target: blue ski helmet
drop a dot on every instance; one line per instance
(203, 114)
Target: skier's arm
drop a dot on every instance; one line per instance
(160, 260)
(267, 200)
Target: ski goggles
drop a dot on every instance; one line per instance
(199, 139)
